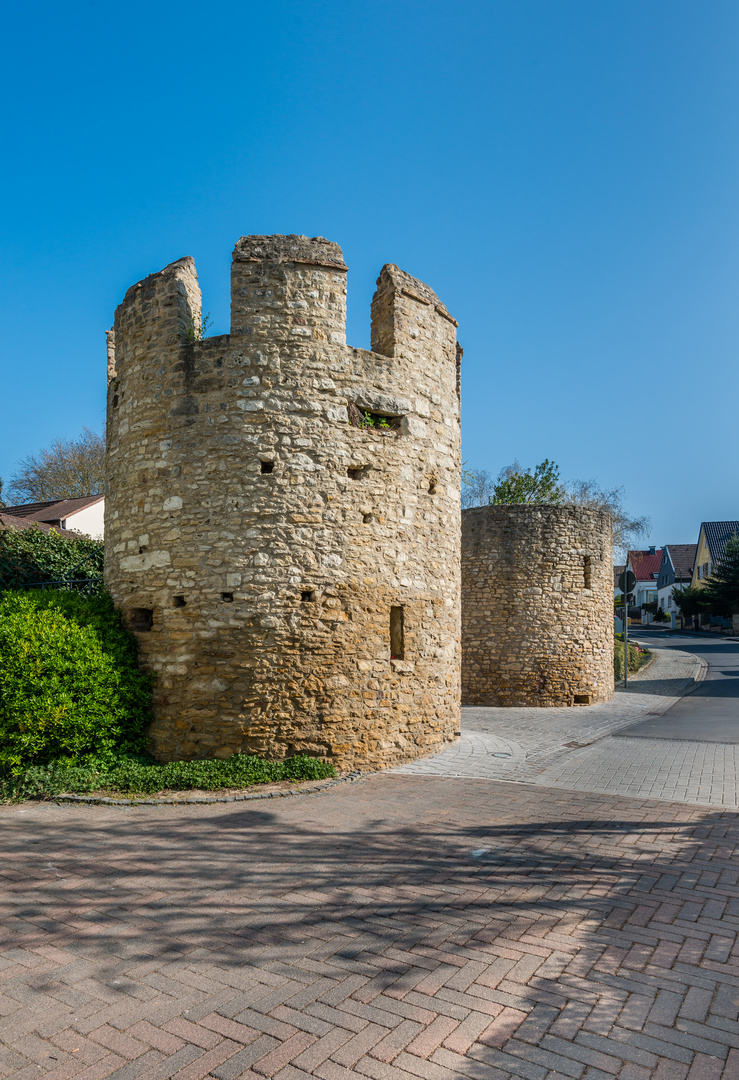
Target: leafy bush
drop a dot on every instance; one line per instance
(638, 657)
(33, 556)
(138, 776)
(70, 688)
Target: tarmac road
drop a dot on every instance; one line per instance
(711, 712)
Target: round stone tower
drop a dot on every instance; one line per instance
(282, 512)
(537, 606)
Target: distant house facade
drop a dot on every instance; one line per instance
(645, 567)
(712, 540)
(83, 515)
(676, 570)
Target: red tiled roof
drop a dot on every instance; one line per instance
(645, 564)
(56, 510)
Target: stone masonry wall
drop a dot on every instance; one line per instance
(259, 543)
(537, 606)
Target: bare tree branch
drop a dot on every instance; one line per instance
(68, 469)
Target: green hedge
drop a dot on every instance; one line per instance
(34, 556)
(139, 777)
(638, 657)
(70, 688)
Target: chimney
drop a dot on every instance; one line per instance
(652, 550)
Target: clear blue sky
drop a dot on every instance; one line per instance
(564, 173)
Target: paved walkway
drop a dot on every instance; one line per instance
(398, 928)
(571, 747)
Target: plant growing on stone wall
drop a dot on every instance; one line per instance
(198, 327)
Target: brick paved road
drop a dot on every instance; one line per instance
(398, 928)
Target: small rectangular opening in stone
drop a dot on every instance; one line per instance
(227, 597)
(267, 466)
(367, 519)
(587, 571)
(142, 620)
(178, 601)
(397, 644)
(372, 421)
(356, 472)
(307, 595)
(582, 699)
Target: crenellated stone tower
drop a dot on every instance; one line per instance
(282, 514)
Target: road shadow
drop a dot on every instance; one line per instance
(247, 887)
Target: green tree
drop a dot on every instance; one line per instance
(722, 591)
(542, 485)
(691, 601)
(68, 469)
(518, 485)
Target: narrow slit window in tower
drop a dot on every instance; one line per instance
(397, 644)
(586, 572)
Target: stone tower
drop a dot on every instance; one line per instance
(282, 515)
(537, 606)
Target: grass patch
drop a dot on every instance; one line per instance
(139, 776)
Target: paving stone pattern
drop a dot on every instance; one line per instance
(402, 927)
(704, 773)
(571, 748)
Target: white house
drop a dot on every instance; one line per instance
(676, 569)
(74, 515)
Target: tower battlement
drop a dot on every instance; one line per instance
(282, 517)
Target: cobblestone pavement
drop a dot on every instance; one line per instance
(397, 928)
(519, 744)
(704, 773)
